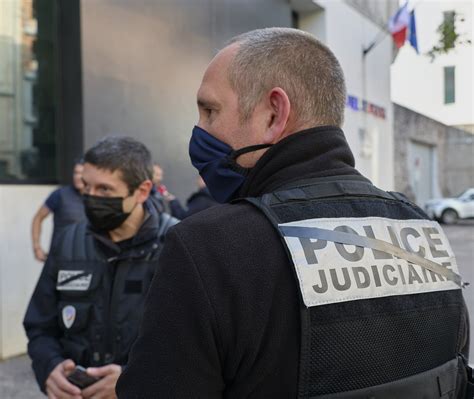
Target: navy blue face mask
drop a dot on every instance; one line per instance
(216, 163)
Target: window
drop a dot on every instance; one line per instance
(28, 101)
(449, 85)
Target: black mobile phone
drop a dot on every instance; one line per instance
(80, 378)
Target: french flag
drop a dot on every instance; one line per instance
(398, 25)
(412, 38)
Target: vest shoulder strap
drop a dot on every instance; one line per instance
(321, 189)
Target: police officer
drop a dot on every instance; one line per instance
(311, 283)
(89, 299)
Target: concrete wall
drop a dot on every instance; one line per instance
(378, 11)
(454, 148)
(19, 270)
(143, 62)
(459, 161)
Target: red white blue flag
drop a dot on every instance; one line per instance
(398, 25)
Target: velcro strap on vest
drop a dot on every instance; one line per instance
(327, 190)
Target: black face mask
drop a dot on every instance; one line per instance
(105, 213)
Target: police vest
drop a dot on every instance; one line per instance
(101, 301)
(381, 305)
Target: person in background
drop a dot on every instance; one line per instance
(158, 190)
(66, 205)
(197, 202)
(88, 302)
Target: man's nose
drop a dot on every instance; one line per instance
(91, 191)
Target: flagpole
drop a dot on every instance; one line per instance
(378, 39)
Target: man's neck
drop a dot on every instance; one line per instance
(130, 227)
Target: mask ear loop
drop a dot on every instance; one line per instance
(232, 157)
(237, 153)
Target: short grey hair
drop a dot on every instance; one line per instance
(296, 61)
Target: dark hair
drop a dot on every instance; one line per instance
(79, 161)
(129, 156)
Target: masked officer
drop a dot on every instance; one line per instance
(88, 302)
(311, 283)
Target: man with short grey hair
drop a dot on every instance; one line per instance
(309, 282)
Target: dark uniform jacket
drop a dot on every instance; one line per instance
(89, 299)
(223, 314)
(197, 202)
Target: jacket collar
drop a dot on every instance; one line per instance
(317, 152)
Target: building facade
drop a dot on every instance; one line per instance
(433, 159)
(348, 28)
(133, 68)
(434, 110)
(441, 89)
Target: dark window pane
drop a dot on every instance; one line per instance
(28, 103)
(449, 85)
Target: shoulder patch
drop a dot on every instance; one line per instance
(73, 280)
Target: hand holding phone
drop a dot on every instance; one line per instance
(57, 384)
(80, 378)
(105, 388)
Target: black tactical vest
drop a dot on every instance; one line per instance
(100, 300)
(398, 346)
(70, 210)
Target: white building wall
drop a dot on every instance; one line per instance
(19, 271)
(418, 83)
(347, 32)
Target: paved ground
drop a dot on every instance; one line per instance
(17, 381)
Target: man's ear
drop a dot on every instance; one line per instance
(144, 191)
(279, 106)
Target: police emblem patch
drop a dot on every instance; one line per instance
(69, 315)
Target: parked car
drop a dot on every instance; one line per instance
(450, 210)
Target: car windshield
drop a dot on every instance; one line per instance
(465, 192)
(460, 194)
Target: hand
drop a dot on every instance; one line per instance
(105, 387)
(40, 254)
(58, 387)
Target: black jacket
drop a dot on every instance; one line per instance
(89, 299)
(69, 210)
(197, 202)
(222, 317)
